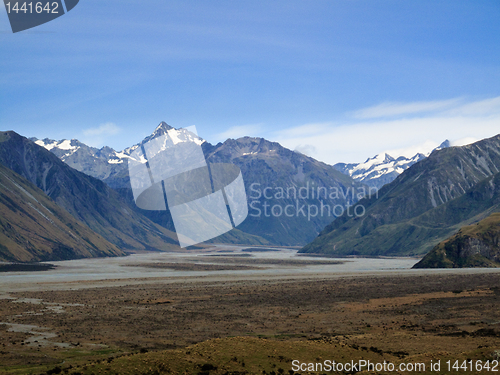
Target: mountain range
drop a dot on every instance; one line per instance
(292, 198)
(104, 164)
(110, 166)
(382, 168)
(264, 165)
(427, 203)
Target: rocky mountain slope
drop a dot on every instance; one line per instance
(264, 165)
(105, 163)
(286, 190)
(382, 168)
(34, 228)
(423, 206)
(87, 199)
(476, 245)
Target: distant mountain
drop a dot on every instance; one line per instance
(423, 206)
(264, 165)
(89, 200)
(111, 167)
(34, 228)
(105, 163)
(475, 245)
(382, 168)
(281, 182)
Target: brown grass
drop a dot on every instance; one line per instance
(396, 318)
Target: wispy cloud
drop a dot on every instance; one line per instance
(308, 150)
(402, 109)
(106, 129)
(464, 141)
(240, 131)
(486, 107)
(417, 127)
(308, 129)
(97, 136)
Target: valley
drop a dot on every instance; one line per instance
(355, 293)
(169, 267)
(250, 188)
(131, 315)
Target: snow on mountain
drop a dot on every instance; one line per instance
(105, 163)
(111, 166)
(68, 147)
(164, 138)
(176, 135)
(263, 164)
(382, 168)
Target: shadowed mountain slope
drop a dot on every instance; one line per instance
(34, 228)
(88, 199)
(286, 182)
(411, 215)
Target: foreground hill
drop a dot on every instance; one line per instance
(34, 228)
(89, 200)
(420, 208)
(476, 245)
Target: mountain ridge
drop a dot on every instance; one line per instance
(105, 163)
(387, 227)
(381, 169)
(265, 163)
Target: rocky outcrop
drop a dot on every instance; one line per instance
(476, 245)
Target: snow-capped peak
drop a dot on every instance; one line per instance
(64, 144)
(162, 128)
(105, 162)
(67, 147)
(383, 168)
(379, 159)
(175, 135)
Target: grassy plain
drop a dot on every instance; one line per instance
(251, 327)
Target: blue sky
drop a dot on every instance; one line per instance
(338, 80)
